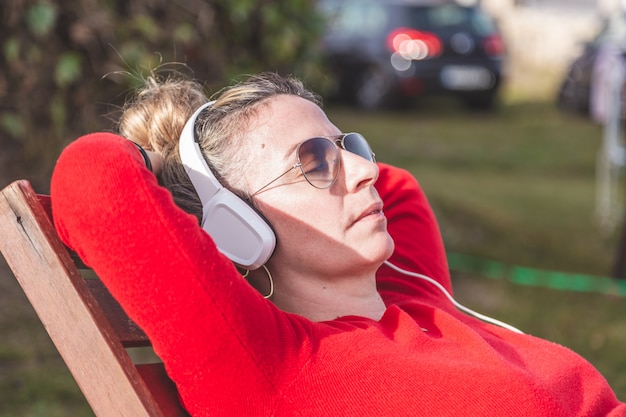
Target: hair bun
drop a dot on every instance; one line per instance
(156, 116)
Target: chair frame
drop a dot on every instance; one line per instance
(88, 327)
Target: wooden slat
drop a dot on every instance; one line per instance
(162, 388)
(129, 334)
(83, 336)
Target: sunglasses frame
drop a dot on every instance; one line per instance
(338, 142)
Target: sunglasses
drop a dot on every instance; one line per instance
(318, 158)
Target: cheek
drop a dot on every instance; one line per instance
(300, 221)
(302, 218)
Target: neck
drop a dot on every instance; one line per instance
(324, 299)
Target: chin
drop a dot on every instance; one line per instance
(385, 248)
(390, 247)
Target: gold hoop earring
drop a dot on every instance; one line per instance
(269, 276)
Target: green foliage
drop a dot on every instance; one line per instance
(61, 61)
(68, 69)
(11, 49)
(41, 18)
(12, 124)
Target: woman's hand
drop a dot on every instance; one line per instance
(156, 160)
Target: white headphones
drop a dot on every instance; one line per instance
(238, 230)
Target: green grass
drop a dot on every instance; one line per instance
(515, 186)
(34, 381)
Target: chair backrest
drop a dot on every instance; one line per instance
(88, 327)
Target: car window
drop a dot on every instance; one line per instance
(450, 18)
(348, 18)
(483, 24)
(446, 16)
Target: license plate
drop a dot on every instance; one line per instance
(456, 77)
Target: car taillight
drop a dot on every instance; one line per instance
(494, 45)
(413, 44)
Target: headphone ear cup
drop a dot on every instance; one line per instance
(239, 231)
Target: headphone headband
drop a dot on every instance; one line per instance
(193, 161)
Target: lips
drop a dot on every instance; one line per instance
(374, 208)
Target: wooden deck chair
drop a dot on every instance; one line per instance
(87, 326)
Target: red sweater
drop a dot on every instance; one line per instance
(233, 353)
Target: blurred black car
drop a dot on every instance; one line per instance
(383, 52)
(574, 92)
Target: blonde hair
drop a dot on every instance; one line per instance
(156, 116)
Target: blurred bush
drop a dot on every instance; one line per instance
(61, 61)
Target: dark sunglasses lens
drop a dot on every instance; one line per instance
(356, 144)
(319, 158)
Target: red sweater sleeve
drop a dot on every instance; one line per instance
(169, 276)
(414, 229)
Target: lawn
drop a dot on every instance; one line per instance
(517, 184)
(514, 191)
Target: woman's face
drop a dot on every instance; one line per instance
(340, 230)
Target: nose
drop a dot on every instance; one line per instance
(357, 171)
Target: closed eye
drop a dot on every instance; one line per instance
(322, 168)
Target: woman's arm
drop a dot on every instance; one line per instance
(414, 228)
(215, 333)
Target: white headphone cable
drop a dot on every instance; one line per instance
(452, 300)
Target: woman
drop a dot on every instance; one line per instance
(341, 333)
